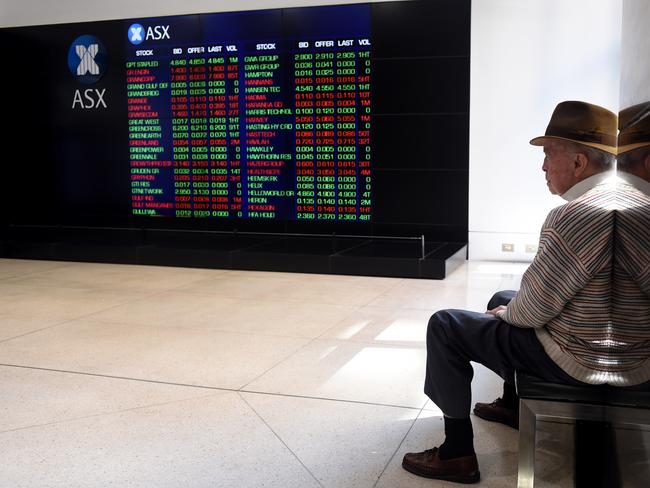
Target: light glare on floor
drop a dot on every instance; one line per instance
(402, 330)
(354, 329)
(373, 362)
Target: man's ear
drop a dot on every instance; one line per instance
(580, 163)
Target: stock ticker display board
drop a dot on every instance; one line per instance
(347, 118)
(229, 118)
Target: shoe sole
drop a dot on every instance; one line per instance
(470, 479)
(494, 418)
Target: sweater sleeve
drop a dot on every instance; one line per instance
(553, 278)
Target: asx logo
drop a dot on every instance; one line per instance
(92, 98)
(137, 33)
(87, 59)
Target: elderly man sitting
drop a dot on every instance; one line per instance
(557, 326)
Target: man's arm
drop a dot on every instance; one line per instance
(556, 274)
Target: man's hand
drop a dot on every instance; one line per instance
(497, 309)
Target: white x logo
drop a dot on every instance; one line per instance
(136, 34)
(87, 57)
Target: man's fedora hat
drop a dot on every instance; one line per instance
(582, 123)
(634, 127)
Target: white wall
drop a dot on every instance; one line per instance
(635, 53)
(528, 55)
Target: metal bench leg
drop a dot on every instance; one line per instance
(526, 474)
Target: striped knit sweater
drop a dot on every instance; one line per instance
(630, 338)
(566, 293)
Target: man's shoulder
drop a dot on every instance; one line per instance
(629, 184)
(629, 196)
(600, 198)
(597, 204)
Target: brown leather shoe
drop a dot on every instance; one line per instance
(497, 412)
(429, 465)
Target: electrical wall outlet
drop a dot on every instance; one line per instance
(531, 248)
(507, 247)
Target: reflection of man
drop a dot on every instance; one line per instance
(631, 277)
(633, 159)
(557, 326)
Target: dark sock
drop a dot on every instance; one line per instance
(510, 398)
(459, 439)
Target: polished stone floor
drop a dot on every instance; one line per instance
(135, 376)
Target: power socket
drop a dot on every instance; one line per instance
(531, 248)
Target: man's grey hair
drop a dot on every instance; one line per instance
(598, 157)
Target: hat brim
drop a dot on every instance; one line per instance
(541, 140)
(631, 147)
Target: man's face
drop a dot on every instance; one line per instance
(559, 166)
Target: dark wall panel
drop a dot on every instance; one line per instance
(422, 141)
(419, 133)
(431, 197)
(422, 28)
(427, 85)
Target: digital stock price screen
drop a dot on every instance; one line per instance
(253, 115)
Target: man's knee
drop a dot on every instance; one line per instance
(501, 298)
(438, 328)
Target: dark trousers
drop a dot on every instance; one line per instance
(501, 298)
(456, 337)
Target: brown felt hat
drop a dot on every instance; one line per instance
(582, 123)
(634, 127)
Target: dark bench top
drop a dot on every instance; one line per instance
(531, 387)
